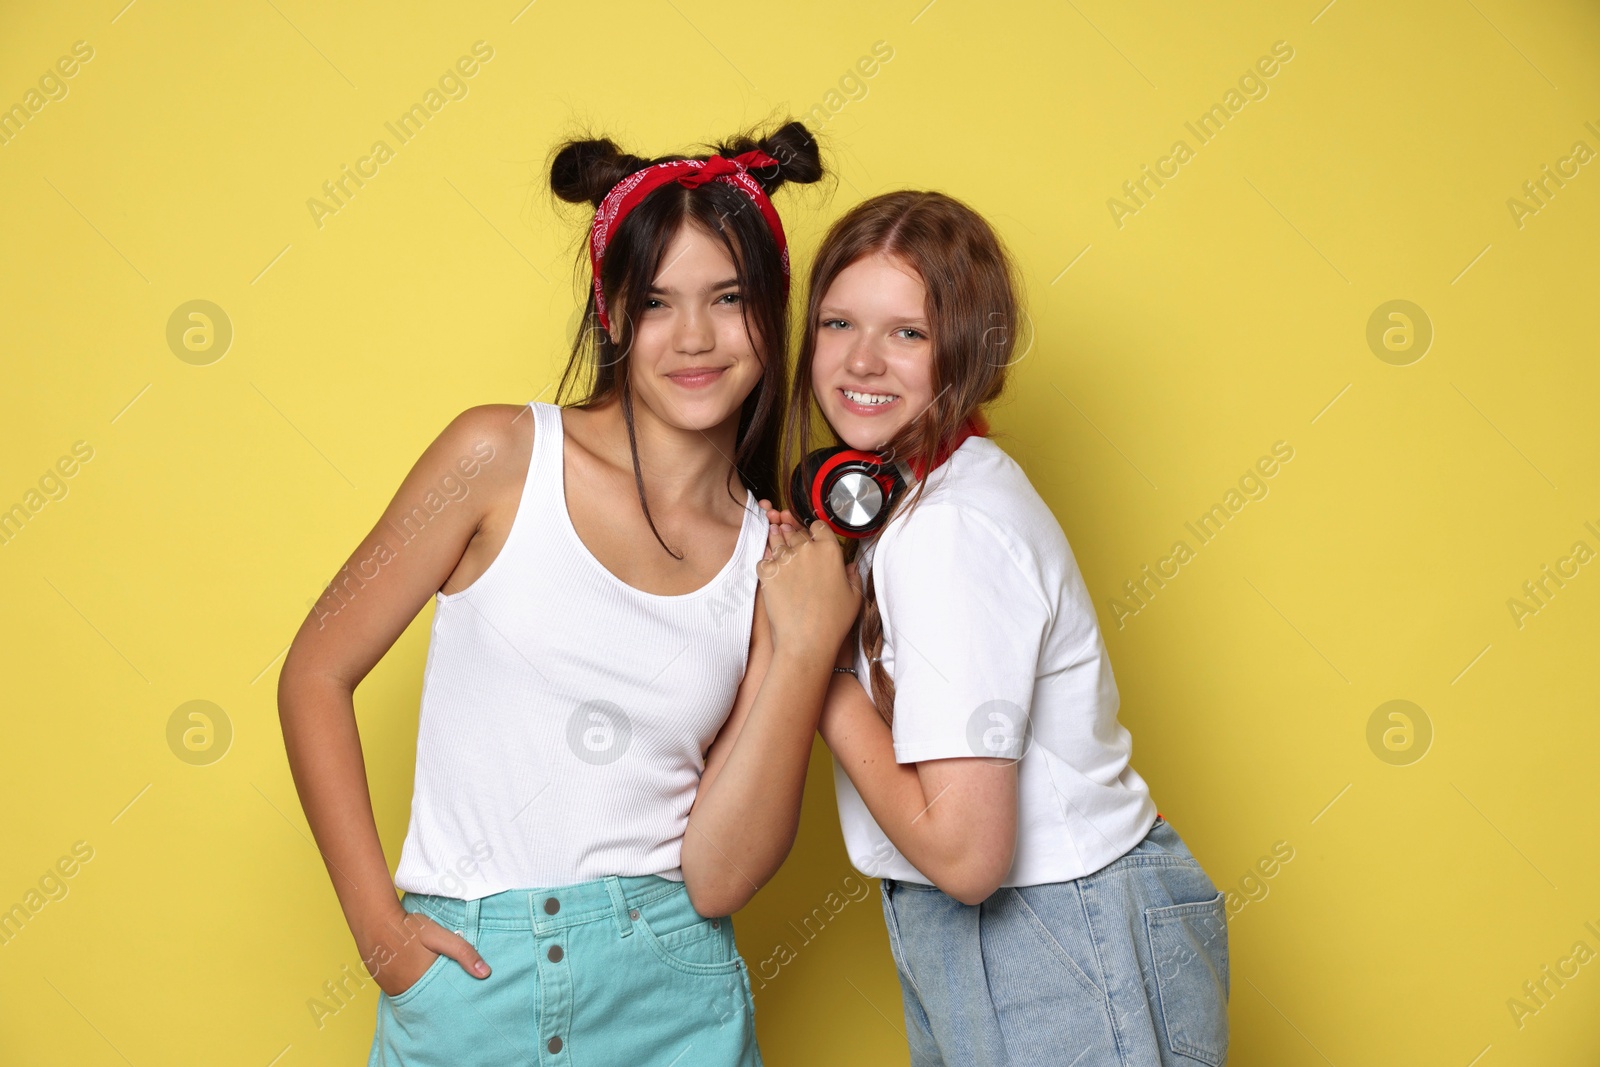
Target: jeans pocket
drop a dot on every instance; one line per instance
(687, 942)
(428, 977)
(1049, 941)
(1189, 949)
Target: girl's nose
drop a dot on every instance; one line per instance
(864, 358)
(693, 332)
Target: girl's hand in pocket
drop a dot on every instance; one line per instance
(404, 949)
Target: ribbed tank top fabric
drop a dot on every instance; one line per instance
(565, 715)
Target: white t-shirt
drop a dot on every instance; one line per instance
(991, 639)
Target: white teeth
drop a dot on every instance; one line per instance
(869, 398)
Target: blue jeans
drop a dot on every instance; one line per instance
(1125, 967)
(613, 971)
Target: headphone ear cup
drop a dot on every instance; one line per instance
(857, 489)
(844, 462)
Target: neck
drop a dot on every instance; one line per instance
(680, 467)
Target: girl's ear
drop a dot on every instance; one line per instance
(614, 331)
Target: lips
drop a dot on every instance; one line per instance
(697, 377)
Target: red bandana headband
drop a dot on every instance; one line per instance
(692, 173)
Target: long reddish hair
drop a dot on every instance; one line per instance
(972, 308)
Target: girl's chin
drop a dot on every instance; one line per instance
(863, 433)
(696, 412)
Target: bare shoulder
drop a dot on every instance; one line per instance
(490, 445)
(504, 427)
(477, 464)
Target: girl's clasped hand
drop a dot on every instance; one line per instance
(810, 594)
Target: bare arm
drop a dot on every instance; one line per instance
(747, 809)
(955, 820)
(397, 567)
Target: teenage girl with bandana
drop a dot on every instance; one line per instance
(620, 691)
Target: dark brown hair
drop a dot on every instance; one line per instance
(583, 172)
(972, 308)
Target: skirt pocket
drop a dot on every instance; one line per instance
(1189, 949)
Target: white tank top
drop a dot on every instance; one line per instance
(565, 714)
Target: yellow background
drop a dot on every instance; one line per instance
(1229, 313)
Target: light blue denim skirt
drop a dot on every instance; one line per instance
(613, 971)
(1125, 967)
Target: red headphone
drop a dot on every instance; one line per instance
(852, 489)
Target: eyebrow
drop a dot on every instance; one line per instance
(730, 283)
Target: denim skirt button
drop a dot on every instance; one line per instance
(554, 1045)
(551, 906)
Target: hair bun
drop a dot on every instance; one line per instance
(798, 155)
(582, 172)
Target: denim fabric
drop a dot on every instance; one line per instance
(1125, 967)
(613, 971)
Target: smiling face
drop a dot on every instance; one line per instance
(872, 365)
(692, 363)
